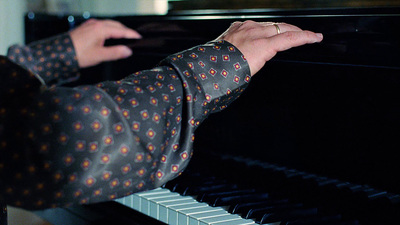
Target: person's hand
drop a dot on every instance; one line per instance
(89, 38)
(259, 42)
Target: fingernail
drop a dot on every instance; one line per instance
(320, 35)
(137, 36)
(126, 52)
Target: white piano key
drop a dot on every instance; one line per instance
(236, 222)
(172, 208)
(163, 206)
(162, 197)
(194, 219)
(127, 200)
(152, 192)
(158, 195)
(120, 200)
(147, 201)
(173, 211)
(154, 207)
(214, 220)
(183, 215)
(136, 202)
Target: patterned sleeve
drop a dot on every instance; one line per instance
(53, 59)
(87, 144)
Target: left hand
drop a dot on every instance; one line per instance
(89, 38)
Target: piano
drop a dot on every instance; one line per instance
(313, 140)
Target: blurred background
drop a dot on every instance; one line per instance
(12, 13)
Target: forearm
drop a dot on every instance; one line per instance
(53, 59)
(95, 143)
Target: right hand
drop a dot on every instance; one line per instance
(89, 38)
(260, 41)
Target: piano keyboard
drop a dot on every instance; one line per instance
(172, 208)
(201, 197)
(274, 196)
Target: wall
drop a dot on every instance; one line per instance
(108, 7)
(11, 23)
(12, 13)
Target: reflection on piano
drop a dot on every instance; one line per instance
(313, 140)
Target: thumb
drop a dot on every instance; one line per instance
(114, 53)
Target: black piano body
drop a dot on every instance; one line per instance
(330, 109)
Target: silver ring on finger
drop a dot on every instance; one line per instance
(278, 30)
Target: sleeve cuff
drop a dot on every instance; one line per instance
(53, 59)
(214, 75)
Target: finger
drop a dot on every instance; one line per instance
(275, 29)
(266, 23)
(292, 39)
(88, 22)
(284, 27)
(233, 27)
(114, 53)
(266, 29)
(236, 24)
(120, 32)
(278, 28)
(113, 23)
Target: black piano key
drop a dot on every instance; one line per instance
(352, 188)
(315, 220)
(189, 175)
(388, 204)
(369, 194)
(329, 195)
(209, 188)
(258, 213)
(310, 185)
(350, 222)
(392, 199)
(354, 222)
(244, 208)
(231, 200)
(184, 187)
(189, 181)
(316, 183)
(211, 197)
(386, 199)
(287, 215)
